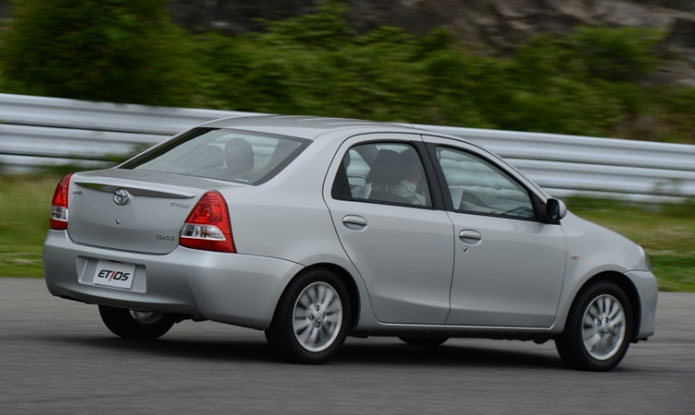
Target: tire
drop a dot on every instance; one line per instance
(424, 341)
(606, 347)
(135, 325)
(311, 319)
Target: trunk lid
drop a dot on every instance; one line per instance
(133, 210)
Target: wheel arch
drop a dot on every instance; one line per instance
(344, 275)
(624, 282)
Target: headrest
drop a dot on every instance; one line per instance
(238, 154)
(385, 169)
(346, 160)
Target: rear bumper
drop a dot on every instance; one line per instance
(230, 288)
(648, 289)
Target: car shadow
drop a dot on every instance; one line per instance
(253, 349)
(445, 355)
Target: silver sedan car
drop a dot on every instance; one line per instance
(313, 229)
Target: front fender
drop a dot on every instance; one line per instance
(592, 251)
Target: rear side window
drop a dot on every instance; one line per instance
(388, 173)
(231, 155)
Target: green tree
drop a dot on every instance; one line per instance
(590, 82)
(112, 50)
(622, 54)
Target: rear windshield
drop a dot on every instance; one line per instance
(232, 155)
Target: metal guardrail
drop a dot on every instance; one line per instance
(38, 131)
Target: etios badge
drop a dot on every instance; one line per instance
(121, 197)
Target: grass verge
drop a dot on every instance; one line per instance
(24, 209)
(667, 232)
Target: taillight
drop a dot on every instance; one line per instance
(59, 206)
(207, 226)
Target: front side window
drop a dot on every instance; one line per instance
(388, 172)
(231, 155)
(476, 185)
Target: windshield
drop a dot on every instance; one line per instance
(231, 155)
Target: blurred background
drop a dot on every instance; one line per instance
(610, 68)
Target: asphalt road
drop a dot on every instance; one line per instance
(57, 357)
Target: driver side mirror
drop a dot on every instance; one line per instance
(555, 210)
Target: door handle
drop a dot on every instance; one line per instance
(354, 222)
(470, 236)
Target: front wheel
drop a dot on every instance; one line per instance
(311, 319)
(598, 328)
(135, 325)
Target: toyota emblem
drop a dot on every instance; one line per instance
(121, 197)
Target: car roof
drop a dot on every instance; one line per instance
(307, 127)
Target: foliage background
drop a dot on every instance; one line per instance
(593, 81)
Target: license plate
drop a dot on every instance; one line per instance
(114, 274)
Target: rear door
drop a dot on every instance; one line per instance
(392, 226)
(509, 266)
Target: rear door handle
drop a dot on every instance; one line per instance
(470, 236)
(354, 222)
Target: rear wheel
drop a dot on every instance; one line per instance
(135, 325)
(597, 331)
(311, 319)
(424, 341)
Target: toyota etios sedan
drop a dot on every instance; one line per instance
(313, 229)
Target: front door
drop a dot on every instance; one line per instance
(509, 266)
